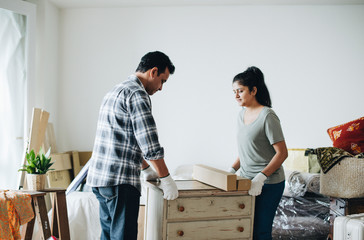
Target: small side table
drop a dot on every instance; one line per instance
(59, 226)
(40, 212)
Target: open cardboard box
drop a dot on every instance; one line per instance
(66, 166)
(60, 177)
(79, 159)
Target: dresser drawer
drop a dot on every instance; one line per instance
(204, 207)
(214, 229)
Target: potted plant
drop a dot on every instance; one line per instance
(37, 166)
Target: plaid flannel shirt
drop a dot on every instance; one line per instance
(126, 132)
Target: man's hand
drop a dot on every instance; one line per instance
(149, 174)
(232, 170)
(257, 184)
(169, 187)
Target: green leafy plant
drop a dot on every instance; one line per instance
(37, 163)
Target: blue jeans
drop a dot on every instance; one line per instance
(265, 209)
(119, 209)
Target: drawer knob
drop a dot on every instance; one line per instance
(181, 208)
(240, 229)
(242, 206)
(180, 233)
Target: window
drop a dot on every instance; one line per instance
(17, 31)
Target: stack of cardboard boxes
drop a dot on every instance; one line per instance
(66, 167)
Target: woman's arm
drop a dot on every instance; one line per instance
(278, 158)
(236, 164)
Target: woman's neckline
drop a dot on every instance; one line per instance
(252, 119)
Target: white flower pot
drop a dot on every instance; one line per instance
(36, 181)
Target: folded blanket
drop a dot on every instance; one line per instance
(329, 156)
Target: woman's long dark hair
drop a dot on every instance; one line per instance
(253, 77)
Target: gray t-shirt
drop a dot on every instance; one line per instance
(255, 144)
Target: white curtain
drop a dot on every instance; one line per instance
(12, 96)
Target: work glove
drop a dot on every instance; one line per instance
(149, 174)
(257, 184)
(232, 170)
(169, 187)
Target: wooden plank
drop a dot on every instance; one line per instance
(36, 138)
(54, 218)
(44, 116)
(194, 190)
(215, 177)
(39, 126)
(50, 139)
(62, 217)
(42, 217)
(27, 229)
(243, 184)
(34, 129)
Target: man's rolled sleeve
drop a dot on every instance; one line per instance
(145, 130)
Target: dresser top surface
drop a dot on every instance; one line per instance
(194, 186)
(185, 185)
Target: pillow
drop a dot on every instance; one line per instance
(349, 136)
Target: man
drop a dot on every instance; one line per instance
(126, 135)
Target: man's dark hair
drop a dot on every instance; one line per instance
(155, 59)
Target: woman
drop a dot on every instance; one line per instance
(262, 148)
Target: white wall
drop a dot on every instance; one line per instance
(45, 87)
(312, 57)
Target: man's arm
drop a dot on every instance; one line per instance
(169, 187)
(144, 164)
(159, 165)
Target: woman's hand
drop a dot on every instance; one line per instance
(257, 184)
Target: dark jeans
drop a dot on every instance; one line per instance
(265, 209)
(119, 209)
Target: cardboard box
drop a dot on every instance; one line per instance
(79, 159)
(61, 161)
(60, 177)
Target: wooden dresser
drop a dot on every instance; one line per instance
(200, 212)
